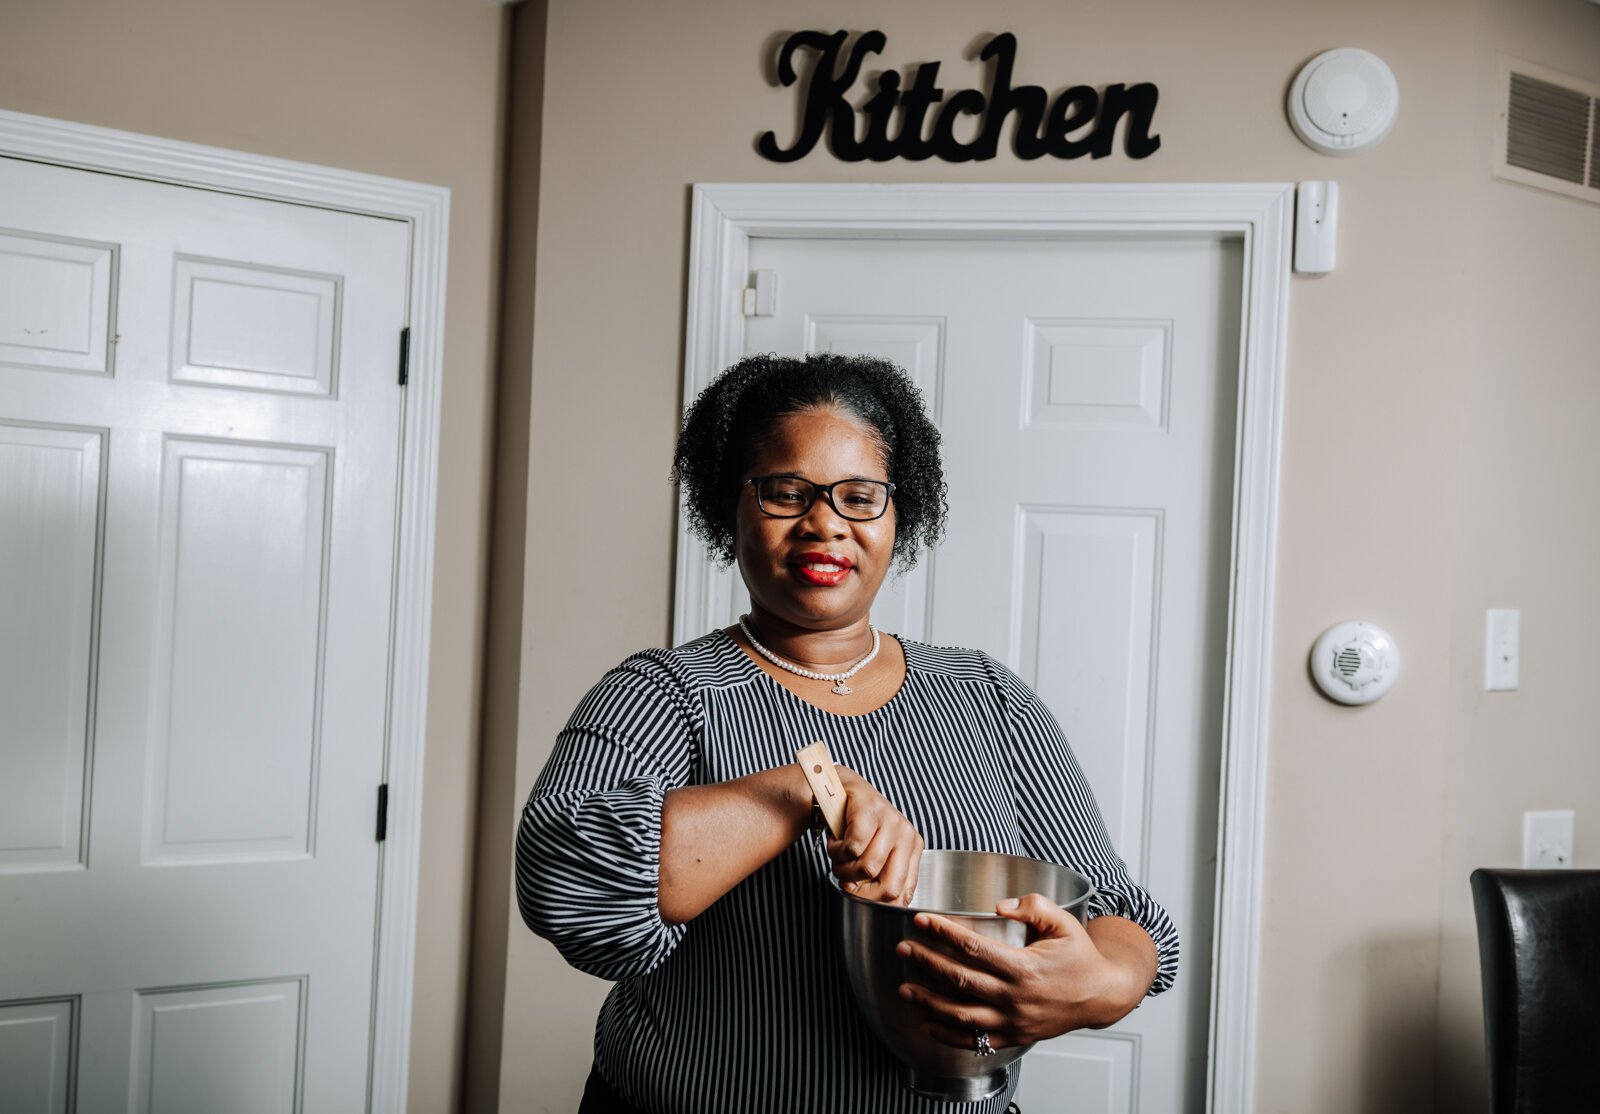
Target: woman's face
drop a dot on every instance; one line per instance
(820, 571)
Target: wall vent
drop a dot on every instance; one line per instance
(1548, 132)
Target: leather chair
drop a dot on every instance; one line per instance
(1539, 943)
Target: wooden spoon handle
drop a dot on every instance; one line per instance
(817, 765)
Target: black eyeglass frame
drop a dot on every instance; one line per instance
(754, 482)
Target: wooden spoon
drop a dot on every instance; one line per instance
(817, 765)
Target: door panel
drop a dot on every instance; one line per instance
(49, 539)
(1083, 572)
(36, 1047)
(203, 1049)
(58, 297)
(254, 327)
(915, 344)
(239, 646)
(199, 465)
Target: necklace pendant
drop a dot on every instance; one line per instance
(843, 689)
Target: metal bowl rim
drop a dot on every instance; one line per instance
(913, 910)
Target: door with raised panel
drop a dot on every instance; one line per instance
(199, 451)
(1084, 389)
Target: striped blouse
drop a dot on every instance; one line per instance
(747, 1007)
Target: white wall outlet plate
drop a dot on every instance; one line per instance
(1547, 840)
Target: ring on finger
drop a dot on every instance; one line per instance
(980, 1043)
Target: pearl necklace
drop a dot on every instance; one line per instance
(839, 679)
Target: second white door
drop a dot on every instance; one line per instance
(199, 458)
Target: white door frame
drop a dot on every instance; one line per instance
(725, 219)
(427, 209)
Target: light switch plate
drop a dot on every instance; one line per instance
(1547, 840)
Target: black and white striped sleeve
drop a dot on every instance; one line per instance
(589, 845)
(1061, 822)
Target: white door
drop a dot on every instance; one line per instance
(199, 450)
(1085, 392)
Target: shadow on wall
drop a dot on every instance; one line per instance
(1400, 1029)
(1463, 1071)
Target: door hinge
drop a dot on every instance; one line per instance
(383, 812)
(761, 296)
(405, 355)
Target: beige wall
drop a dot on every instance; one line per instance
(1530, 533)
(507, 620)
(1434, 408)
(405, 88)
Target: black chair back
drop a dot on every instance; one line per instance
(1539, 943)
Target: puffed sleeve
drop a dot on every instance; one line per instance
(1061, 821)
(589, 845)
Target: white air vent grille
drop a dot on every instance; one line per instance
(1549, 130)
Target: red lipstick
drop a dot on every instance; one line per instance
(822, 569)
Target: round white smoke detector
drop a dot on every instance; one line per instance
(1344, 101)
(1355, 662)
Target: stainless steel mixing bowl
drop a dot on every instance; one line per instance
(964, 886)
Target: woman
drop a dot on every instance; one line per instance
(664, 846)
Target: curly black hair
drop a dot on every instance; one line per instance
(736, 413)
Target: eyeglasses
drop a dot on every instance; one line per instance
(791, 497)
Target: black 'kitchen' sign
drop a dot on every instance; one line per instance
(1043, 127)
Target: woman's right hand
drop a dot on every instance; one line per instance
(877, 854)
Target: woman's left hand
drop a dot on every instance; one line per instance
(1069, 977)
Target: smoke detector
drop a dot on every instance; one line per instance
(1343, 102)
(1355, 662)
